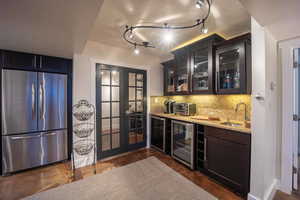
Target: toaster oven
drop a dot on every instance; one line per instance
(186, 109)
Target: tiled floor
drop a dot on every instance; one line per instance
(41, 179)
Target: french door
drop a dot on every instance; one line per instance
(296, 118)
(121, 106)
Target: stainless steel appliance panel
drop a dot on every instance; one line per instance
(21, 152)
(52, 111)
(32, 150)
(55, 146)
(182, 143)
(19, 106)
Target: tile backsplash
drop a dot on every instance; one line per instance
(222, 106)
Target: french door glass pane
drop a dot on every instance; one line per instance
(115, 125)
(140, 135)
(115, 140)
(131, 107)
(132, 137)
(115, 94)
(139, 105)
(132, 94)
(105, 77)
(140, 80)
(139, 95)
(229, 69)
(115, 110)
(105, 110)
(105, 126)
(105, 142)
(131, 79)
(105, 93)
(115, 78)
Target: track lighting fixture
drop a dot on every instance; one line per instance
(128, 35)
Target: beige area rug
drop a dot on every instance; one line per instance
(148, 179)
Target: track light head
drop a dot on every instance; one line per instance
(200, 3)
(136, 50)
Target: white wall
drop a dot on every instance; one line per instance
(265, 122)
(84, 72)
(281, 18)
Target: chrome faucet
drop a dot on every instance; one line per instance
(237, 108)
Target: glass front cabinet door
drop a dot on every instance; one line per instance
(202, 70)
(169, 77)
(182, 72)
(233, 70)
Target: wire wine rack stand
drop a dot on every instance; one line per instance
(84, 131)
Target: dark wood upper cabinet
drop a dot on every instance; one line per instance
(169, 77)
(203, 65)
(32, 62)
(233, 66)
(211, 65)
(17, 60)
(54, 64)
(182, 71)
(227, 157)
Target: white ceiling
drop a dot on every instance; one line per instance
(51, 27)
(62, 27)
(228, 17)
(280, 17)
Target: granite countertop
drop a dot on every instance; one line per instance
(217, 124)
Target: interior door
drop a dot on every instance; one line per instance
(296, 140)
(19, 90)
(121, 109)
(109, 108)
(136, 108)
(52, 111)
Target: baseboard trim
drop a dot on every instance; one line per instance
(270, 193)
(252, 197)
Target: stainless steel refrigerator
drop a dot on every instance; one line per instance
(34, 119)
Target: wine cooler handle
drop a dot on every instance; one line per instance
(205, 142)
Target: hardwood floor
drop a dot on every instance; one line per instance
(41, 179)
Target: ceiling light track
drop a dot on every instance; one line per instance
(128, 33)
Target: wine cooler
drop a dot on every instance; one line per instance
(158, 133)
(183, 143)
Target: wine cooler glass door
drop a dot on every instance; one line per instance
(183, 142)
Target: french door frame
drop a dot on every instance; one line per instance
(124, 115)
(290, 106)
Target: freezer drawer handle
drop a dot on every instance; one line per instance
(25, 137)
(50, 134)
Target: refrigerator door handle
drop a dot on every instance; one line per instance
(33, 100)
(42, 101)
(43, 89)
(25, 137)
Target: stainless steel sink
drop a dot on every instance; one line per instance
(231, 124)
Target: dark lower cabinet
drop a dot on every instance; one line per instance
(221, 154)
(228, 158)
